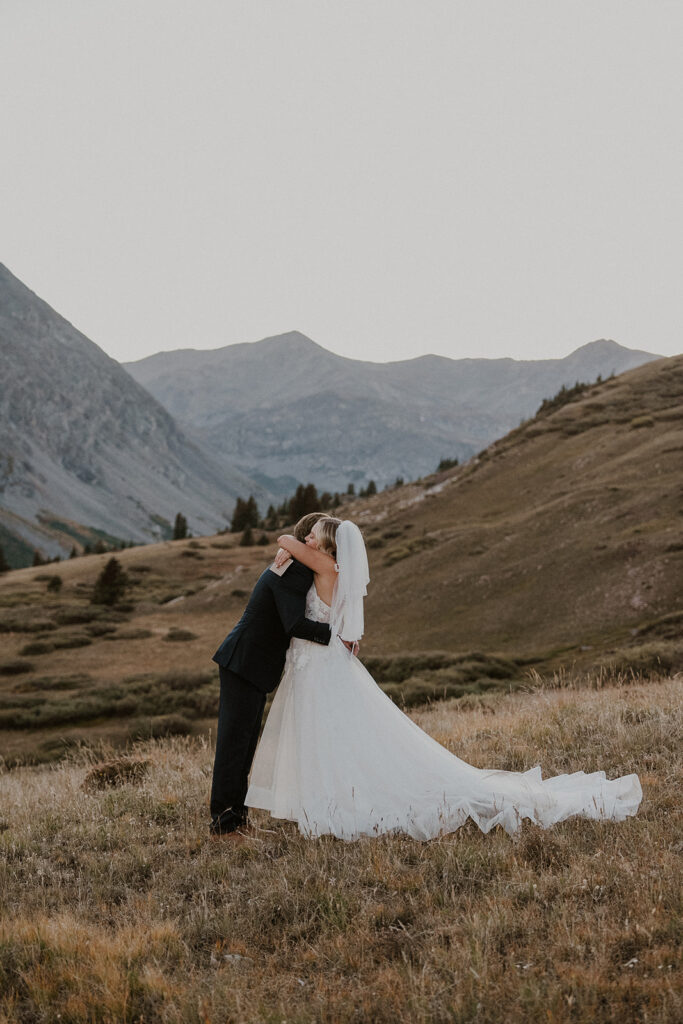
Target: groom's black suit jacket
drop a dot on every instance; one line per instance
(276, 611)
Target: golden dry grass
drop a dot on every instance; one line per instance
(115, 906)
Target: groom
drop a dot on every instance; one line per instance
(251, 660)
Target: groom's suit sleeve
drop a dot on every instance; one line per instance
(289, 592)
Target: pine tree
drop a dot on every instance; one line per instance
(247, 538)
(4, 564)
(38, 558)
(351, 489)
(110, 585)
(180, 527)
(245, 514)
(74, 553)
(371, 488)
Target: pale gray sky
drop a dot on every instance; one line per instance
(391, 177)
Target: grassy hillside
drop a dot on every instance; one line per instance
(562, 545)
(117, 907)
(566, 534)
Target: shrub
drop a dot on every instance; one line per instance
(54, 584)
(642, 421)
(76, 640)
(179, 635)
(119, 771)
(15, 668)
(37, 647)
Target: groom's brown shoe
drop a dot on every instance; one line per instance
(236, 837)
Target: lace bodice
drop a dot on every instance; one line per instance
(301, 651)
(315, 607)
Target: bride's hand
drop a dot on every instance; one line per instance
(281, 557)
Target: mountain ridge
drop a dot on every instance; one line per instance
(249, 402)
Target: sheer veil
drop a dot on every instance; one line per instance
(346, 616)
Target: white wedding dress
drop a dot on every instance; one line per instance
(339, 757)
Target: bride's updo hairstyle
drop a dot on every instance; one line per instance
(326, 533)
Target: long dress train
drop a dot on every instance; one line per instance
(339, 757)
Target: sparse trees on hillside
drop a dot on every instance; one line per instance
(447, 464)
(305, 500)
(110, 585)
(180, 527)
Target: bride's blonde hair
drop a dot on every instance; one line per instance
(326, 533)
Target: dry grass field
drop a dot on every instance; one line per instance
(116, 907)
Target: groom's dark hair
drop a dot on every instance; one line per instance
(306, 524)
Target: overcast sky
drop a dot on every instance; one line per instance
(390, 177)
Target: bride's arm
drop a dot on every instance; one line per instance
(316, 560)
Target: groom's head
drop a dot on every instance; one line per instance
(306, 524)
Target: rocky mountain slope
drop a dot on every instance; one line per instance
(286, 410)
(83, 447)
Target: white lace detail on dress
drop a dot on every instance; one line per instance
(301, 651)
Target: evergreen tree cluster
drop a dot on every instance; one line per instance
(245, 514)
(305, 499)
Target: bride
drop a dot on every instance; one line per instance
(339, 757)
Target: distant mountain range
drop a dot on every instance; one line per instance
(285, 410)
(85, 451)
(90, 448)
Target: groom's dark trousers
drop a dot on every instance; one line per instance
(251, 660)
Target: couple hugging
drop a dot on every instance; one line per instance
(336, 755)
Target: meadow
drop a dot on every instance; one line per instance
(116, 906)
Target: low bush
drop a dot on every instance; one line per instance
(77, 640)
(117, 772)
(15, 668)
(176, 635)
(37, 647)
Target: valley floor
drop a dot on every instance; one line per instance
(115, 906)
